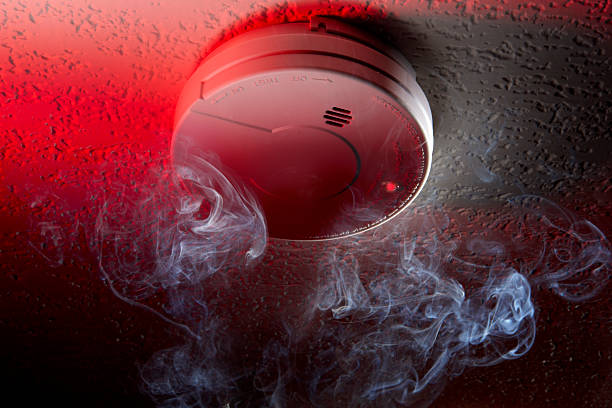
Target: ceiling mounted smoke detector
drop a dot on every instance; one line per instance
(325, 123)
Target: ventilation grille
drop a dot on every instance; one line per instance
(338, 117)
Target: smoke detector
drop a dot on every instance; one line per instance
(325, 123)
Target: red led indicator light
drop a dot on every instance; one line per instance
(390, 187)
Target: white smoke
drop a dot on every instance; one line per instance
(169, 235)
(382, 319)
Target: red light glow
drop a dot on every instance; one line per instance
(88, 93)
(390, 187)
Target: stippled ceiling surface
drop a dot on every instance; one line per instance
(520, 96)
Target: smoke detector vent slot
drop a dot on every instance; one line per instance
(329, 122)
(338, 117)
(341, 110)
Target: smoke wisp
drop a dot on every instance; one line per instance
(170, 235)
(381, 319)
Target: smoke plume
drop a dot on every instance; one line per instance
(382, 319)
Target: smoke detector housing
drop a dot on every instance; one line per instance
(325, 123)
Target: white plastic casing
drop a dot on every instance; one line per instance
(327, 125)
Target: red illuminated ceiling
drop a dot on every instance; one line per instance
(87, 97)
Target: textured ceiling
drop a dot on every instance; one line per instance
(521, 99)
